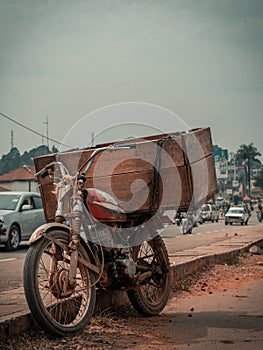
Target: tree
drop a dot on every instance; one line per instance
(247, 157)
(13, 160)
(10, 161)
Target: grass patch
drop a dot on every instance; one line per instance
(183, 285)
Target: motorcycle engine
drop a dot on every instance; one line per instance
(119, 271)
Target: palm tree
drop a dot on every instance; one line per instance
(247, 157)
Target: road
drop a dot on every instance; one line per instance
(11, 263)
(227, 319)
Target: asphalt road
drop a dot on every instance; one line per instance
(11, 263)
(220, 321)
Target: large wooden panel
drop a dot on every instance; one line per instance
(167, 171)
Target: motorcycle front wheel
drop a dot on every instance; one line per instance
(151, 295)
(58, 308)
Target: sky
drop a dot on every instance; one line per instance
(118, 69)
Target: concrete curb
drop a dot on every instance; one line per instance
(23, 321)
(182, 270)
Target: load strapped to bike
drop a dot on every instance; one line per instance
(104, 206)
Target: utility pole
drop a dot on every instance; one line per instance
(92, 139)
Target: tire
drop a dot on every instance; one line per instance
(13, 238)
(242, 223)
(57, 314)
(226, 223)
(152, 294)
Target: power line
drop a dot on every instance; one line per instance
(32, 130)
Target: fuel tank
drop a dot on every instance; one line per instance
(104, 207)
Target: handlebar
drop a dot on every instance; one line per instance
(44, 172)
(125, 145)
(110, 148)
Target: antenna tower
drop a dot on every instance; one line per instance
(12, 139)
(47, 136)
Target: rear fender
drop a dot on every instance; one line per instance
(46, 229)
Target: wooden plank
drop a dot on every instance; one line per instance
(141, 158)
(134, 190)
(197, 144)
(49, 201)
(203, 180)
(145, 150)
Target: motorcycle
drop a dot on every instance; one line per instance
(178, 219)
(187, 224)
(259, 215)
(92, 244)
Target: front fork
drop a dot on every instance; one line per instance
(75, 239)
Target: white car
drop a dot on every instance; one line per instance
(236, 215)
(209, 213)
(20, 214)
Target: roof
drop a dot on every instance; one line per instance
(2, 188)
(21, 174)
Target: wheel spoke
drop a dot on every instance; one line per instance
(152, 288)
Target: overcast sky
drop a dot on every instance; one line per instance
(201, 61)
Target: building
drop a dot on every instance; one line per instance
(21, 179)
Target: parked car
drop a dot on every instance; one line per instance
(236, 215)
(209, 213)
(20, 214)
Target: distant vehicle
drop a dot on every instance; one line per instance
(220, 201)
(187, 224)
(236, 215)
(209, 213)
(260, 215)
(178, 218)
(189, 220)
(198, 219)
(20, 214)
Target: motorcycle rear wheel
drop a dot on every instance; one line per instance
(56, 313)
(152, 294)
